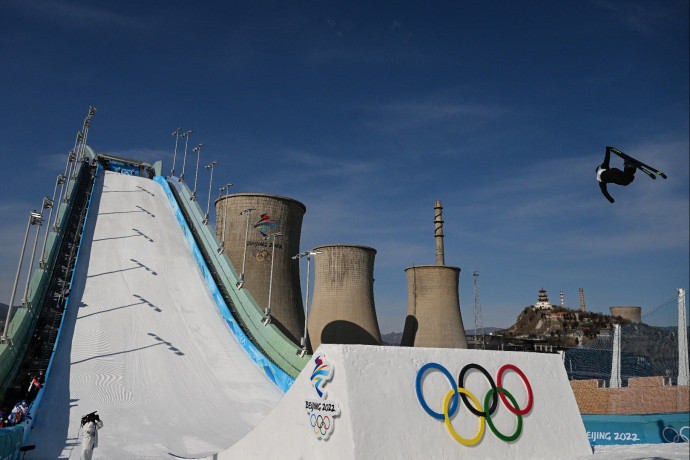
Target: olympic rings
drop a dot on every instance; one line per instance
(319, 423)
(488, 409)
(449, 426)
(461, 382)
(678, 435)
(530, 397)
(420, 397)
(262, 254)
(498, 434)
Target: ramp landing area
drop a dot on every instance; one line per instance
(143, 344)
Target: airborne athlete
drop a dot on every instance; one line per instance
(607, 175)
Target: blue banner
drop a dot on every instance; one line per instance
(637, 429)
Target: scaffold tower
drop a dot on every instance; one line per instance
(478, 326)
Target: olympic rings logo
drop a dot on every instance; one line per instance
(484, 411)
(318, 422)
(676, 436)
(262, 254)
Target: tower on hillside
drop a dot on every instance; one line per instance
(433, 302)
(543, 301)
(582, 300)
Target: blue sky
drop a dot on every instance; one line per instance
(368, 113)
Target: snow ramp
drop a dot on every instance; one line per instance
(370, 402)
(143, 343)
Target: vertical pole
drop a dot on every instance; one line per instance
(196, 149)
(682, 340)
(184, 160)
(175, 133)
(16, 278)
(64, 183)
(42, 262)
(615, 381)
(37, 221)
(438, 234)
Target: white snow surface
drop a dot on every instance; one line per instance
(675, 451)
(143, 344)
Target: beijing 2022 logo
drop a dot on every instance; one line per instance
(484, 411)
(321, 412)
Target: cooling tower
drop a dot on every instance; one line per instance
(632, 314)
(433, 302)
(342, 310)
(271, 214)
(433, 308)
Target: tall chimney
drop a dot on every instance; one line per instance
(582, 300)
(438, 234)
(433, 301)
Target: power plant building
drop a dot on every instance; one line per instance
(263, 216)
(343, 310)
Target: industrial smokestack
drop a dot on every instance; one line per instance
(438, 234)
(342, 309)
(433, 301)
(582, 300)
(271, 214)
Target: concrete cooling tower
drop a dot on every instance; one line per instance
(262, 216)
(632, 314)
(342, 310)
(433, 302)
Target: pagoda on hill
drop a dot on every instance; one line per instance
(543, 301)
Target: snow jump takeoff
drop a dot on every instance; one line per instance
(607, 175)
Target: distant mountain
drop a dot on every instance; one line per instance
(394, 338)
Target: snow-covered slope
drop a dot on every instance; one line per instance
(143, 344)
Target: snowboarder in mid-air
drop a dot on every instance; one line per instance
(607, 175)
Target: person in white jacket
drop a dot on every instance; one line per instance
(90, 423)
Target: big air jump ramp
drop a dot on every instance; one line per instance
(143, 343)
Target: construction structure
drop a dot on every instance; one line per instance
(342, 309)
(478, 334)
(260, 236)
(433, 303)
(632, 314)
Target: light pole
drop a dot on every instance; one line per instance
(303, 340)
(37, 222)
(175, 133)
(267, 318)
(42, 263)
(65, 182)
(240, 283)
(184, 160)
(196, 149)
(225, 188)
(32, 216)
(208, 204)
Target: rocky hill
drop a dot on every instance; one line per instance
(562, 326)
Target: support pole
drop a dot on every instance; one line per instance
(682, 340)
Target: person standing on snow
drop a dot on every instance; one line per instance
(90, 423)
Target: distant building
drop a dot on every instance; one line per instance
(543, 301)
